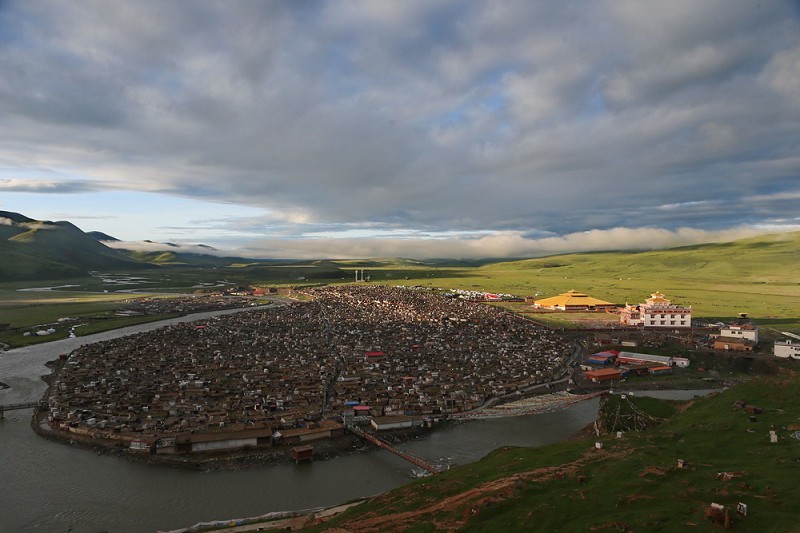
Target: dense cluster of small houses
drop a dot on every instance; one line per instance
(292, 373)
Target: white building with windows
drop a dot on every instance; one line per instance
(787, 349)
(656, 312)
(740, 331)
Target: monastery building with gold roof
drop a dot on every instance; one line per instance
(656, 312)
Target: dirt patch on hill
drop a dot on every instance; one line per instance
(453, 512)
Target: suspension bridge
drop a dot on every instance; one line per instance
(386, 446)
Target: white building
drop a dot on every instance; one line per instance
(382, 423)
(656, 312)
(787, 349)
(740, 331)
(680, 362)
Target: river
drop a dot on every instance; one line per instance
(49, 486)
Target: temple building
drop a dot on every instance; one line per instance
(656, 312)
(573, 301)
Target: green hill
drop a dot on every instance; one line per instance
(32, 249)
(757, 275)
(764, 259)
(170, 258)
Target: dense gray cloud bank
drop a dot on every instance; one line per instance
(522, 119)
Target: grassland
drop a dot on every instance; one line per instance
(759, 276)
(631, 484)
(26, 311)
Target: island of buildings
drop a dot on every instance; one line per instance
(296, 374)
(387, 357)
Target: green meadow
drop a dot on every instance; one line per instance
(759, 276)
(24, 311)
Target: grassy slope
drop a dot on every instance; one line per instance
(632, 484)
(759, 276)
(170, 258)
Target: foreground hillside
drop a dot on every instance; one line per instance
(631, 484)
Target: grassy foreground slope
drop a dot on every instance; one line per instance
(631, 484)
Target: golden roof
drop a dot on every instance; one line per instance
(658, 297)
(571, 298)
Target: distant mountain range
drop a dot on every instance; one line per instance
(40, 250)
(36, 250)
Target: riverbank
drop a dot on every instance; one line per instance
(324, 449)
(544, 398)
(238, 460)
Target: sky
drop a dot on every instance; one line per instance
(415, 128)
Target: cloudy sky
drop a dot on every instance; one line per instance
(403, 128)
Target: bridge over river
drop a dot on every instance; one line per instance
(413, 459)
(14, 406)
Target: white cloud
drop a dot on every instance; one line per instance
(497, 245)
(143, 246)
(46, 186)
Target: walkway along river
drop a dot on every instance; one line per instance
(47, 486)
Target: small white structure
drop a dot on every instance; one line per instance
(786, 349)
(740, 331)
(639, 358)
(680, 362)
(383, 423)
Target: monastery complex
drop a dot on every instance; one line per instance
(656, 312)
